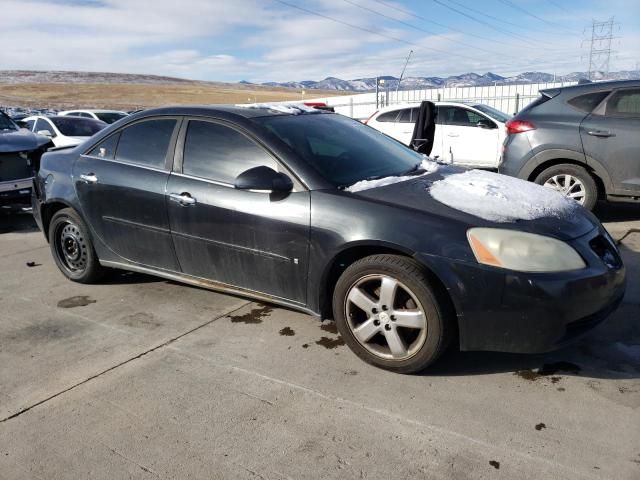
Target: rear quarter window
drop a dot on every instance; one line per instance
(588, 101)
(388, 116)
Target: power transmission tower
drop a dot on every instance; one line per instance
(600, 49)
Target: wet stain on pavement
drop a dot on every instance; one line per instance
(305, 345)
(547, 370)
(329, 327)
(255, 315)
(51, 331)
(561, 389)
(540, 426)
(77, 301)
(330, 343)
(287, 332)
(494, 464)
(141, 320)
(33, 264)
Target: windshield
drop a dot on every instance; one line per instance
(342, 150)
(110, 117)
(493, 112)
(6, 123)
(77, 126)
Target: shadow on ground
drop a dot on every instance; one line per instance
(16, 220)
(617, 212)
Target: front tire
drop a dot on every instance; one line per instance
(72, 248)
(388, 314)
(572, 181)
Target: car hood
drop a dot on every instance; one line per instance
(415, 194)
(20, 141)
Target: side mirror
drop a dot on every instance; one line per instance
(487, 124)
(264, 179)
(45, 133)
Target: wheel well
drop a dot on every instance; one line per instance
(48, 211)
(558, 161)
(344, 259)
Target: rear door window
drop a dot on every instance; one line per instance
(624, 103)
(587, 102)
(220, 153)
(146, 143)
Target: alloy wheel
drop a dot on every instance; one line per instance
(570, 186)
(385, 317)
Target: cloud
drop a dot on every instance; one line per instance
(263, 40)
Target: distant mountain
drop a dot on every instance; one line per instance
(465, 80)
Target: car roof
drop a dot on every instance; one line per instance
(93, 110)
(596, 86)
(248, 111)
(400, 106)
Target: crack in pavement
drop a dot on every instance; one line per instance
(124, 362)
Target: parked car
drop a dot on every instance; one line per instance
(318, 212)
(466, 134)
(107, 116)
(64, 131)
(20, 152)
(583, 141)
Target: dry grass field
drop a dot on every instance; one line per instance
(130, 96)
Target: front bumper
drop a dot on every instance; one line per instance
(508, 311)
(16, 192)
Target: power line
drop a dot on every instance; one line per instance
(364, 29)
(501, 30)
(509, 3)
(485, 14)
(427, 20)
(556, 4)
(350, 2)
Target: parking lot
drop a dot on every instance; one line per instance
(139, 377)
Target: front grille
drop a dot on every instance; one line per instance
(14, 167)
(606, 250)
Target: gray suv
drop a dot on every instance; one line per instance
(583, 141)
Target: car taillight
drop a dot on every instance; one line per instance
(315, 104)
(372, 115)
(519, 126)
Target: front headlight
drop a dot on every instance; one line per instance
(525, 252)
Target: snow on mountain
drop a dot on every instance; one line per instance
(470, 79)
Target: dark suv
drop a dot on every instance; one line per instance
(583, 141)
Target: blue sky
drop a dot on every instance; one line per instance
(279, 40)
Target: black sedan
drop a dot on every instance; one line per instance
(317, 212)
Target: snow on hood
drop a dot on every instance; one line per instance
(500, 198)
(427, 164)
(291, 108)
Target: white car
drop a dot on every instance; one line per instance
(63, 131)
(468, 134)
(107, 116)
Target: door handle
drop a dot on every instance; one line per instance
(183, 199)
(601, 133)
(453, 135)
(89, 178)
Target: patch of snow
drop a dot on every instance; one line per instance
(427, 164)
(499, 198)
(290, 108)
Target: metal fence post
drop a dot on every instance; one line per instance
(517, 102)
(351, 107)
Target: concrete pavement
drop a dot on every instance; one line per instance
(142, 378)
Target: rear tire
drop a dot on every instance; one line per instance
(72, 247)
(389, 315)
(572, 181)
